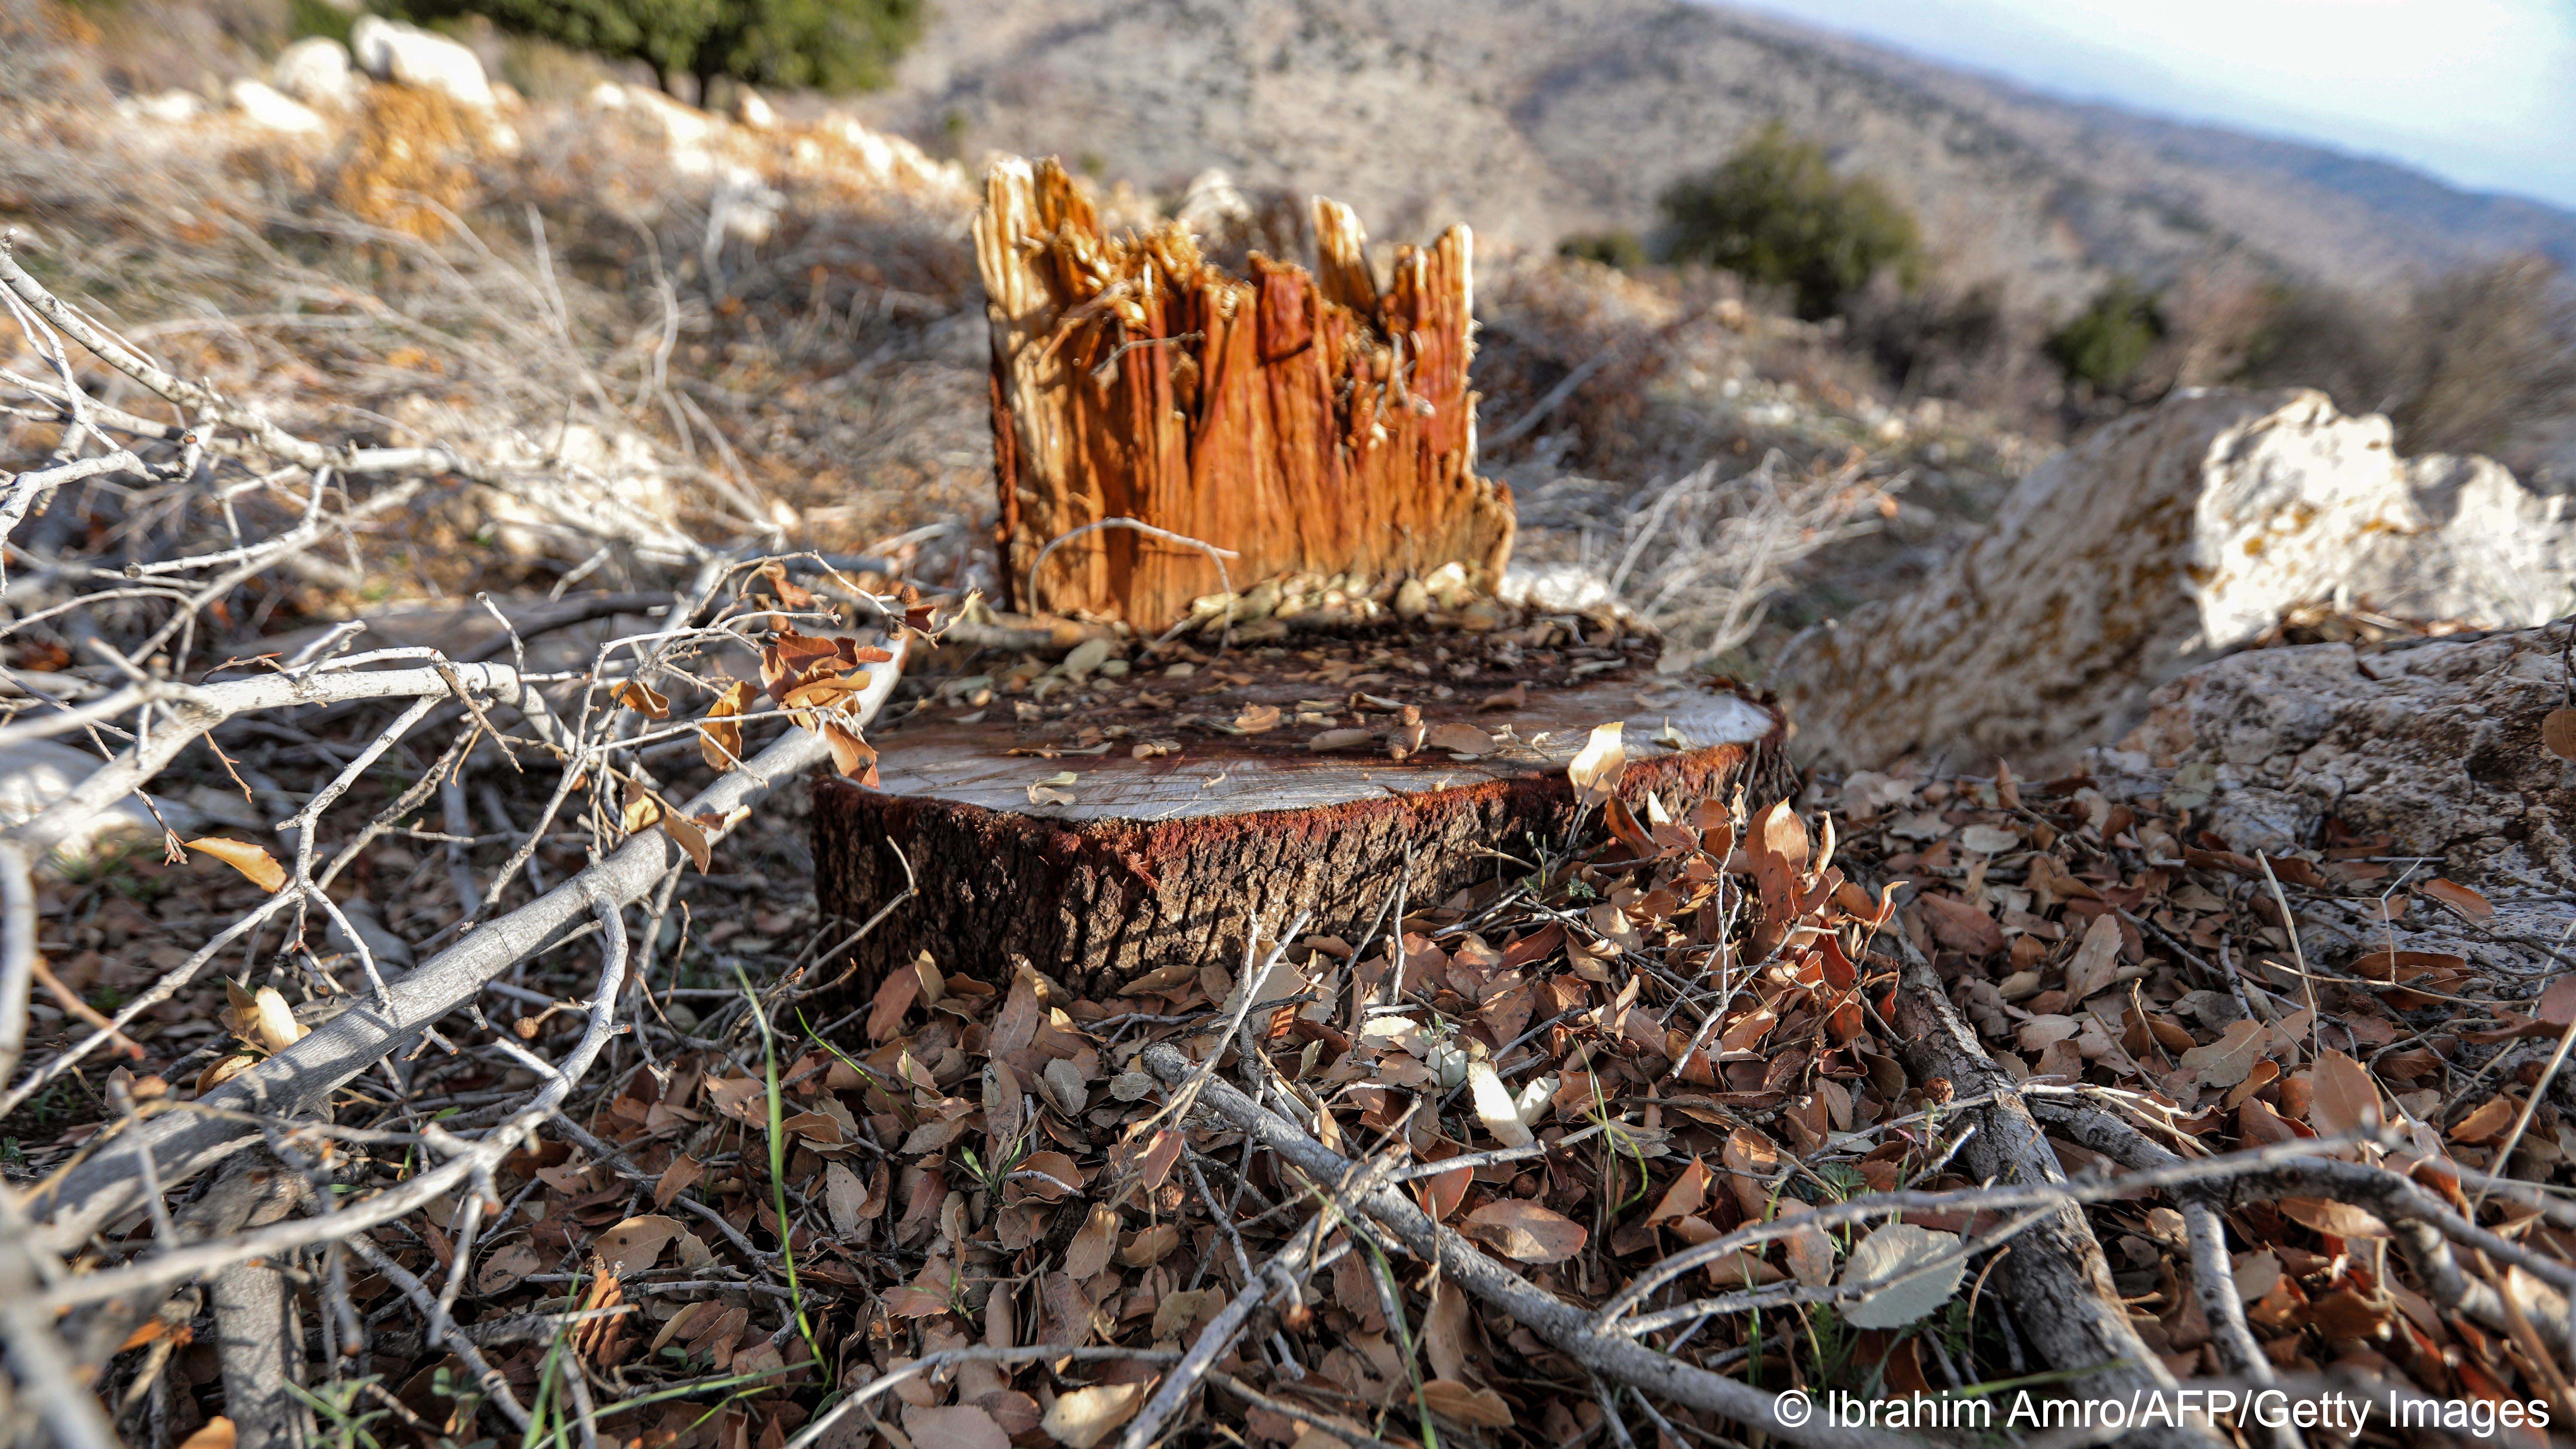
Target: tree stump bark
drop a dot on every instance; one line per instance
(1183, 857)
(1308, 425)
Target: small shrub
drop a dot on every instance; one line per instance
(2109, 340)
(2492, 347)
(831, 45)
(1776, 213)
(1617, 249)
(2323, 337)
(2459, 365)
(307, 18)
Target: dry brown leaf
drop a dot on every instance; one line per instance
(1809, 1249)
(691, 834)
(720, 733)
(676, 1179)
(1687, 1195)
(852, 755)
(826, 691)
(1960, 926)
(1482, 1408)
(632, 1246)
(642, 698)
(1523, 1230)
(2096, 961)
(255, 864)
(1595, 770)
(1494, 1106)
(2224, 1062)
(1751, 1162)
(641, 810)
(2326, 1215)
(844, 1199)
(2346, 1100)
(2488, 1121)
(960, 1427)
(1092, 1244)
(1460, 739)
(1149, 1246)
(273, 1024)
(894, 997)
(503, 1269)
(2458, 897)
(217, 1434)
(1084, 1417)
(1447, 1330)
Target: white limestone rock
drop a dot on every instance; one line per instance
(271, 109)
(168, 106)
(391, 50)
(316, 71)
(2162, 541)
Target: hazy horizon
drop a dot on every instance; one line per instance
(2480, 94)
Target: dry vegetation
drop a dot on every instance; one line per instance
(461, 1055)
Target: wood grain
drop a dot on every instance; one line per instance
(1323, 429)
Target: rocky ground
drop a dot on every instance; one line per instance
(2233, 1047)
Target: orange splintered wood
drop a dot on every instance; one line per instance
(1311, 427)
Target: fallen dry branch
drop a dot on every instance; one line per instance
(2424, 1225)
(2055, 1278)
(1561, 1325)
(301, 1078)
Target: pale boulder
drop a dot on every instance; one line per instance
(1556, 588)
(271, 109)
(2435, 743)
(169, 106)
(390, 50)
(2162, 541)
(316, 71)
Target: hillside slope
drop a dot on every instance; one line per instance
(1534, 118)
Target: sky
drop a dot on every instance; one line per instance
(2480, 93)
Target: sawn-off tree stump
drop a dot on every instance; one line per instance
(1182, 857)
(1323, 432)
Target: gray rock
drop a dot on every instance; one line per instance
(2436, 745)
(2162, 541)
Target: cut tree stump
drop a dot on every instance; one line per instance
(1180, 858)
(1310, 425)
(1370, 718)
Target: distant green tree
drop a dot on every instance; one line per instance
(2109, 340)
(832, 45)
(1775, 212)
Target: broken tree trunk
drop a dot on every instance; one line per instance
(1103, 822)
(1305, 424)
